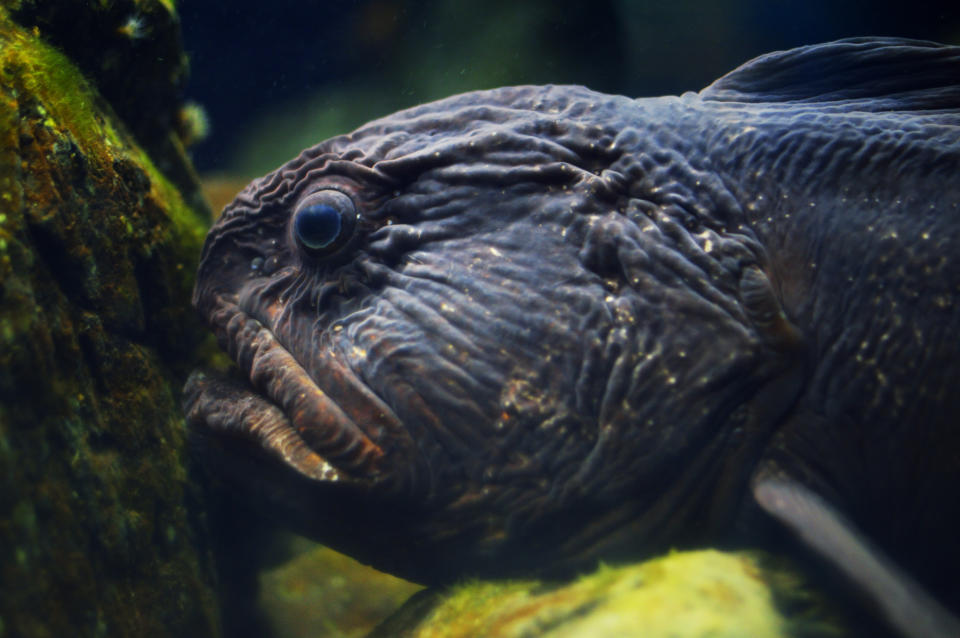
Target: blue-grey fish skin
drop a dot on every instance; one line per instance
(559, 326)
(858, 208)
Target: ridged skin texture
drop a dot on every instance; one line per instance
(569, 326)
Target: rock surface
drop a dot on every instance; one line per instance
(697, 594)
(97, 255)
(319, 593)
(132, 52)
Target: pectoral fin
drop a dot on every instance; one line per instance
(904, 603)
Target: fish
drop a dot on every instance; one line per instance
(523, 330)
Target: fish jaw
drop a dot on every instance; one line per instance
(281, 411)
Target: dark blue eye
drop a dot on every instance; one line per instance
(324, 221)
(318, 225)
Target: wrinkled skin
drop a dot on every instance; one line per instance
(570, 326)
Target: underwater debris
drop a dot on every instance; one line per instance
(134, 27)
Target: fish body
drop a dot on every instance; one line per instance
(522, 330)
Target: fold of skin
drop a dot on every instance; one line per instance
(568, 327)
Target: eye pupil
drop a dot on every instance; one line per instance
(324, 221)
(318, 225)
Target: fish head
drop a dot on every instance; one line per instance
(486, 335)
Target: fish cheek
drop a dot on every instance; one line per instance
(239, 257)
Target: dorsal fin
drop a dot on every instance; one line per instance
(873, 74)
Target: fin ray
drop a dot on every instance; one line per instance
(905, 604)
(868, 74)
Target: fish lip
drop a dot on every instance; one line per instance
(283, 410)
(222, 408)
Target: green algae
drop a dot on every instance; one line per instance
(322, 593)
(113, 41)
(98, 253)
(696, 594)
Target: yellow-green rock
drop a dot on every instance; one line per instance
(697, 594)
(322, 593)
(97, 255)
(131, 52)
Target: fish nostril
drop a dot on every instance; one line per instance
(270, 265)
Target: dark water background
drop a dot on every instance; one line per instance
(277, 76)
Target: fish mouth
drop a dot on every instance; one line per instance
(284, 412)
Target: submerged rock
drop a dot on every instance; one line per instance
(696, 594)
(319, 592)
(97, 254)
(132, 52)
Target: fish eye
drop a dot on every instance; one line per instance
(324, 221)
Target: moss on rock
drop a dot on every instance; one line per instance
(132, 52)
(697, 594)
(97, 254)
(321, 593)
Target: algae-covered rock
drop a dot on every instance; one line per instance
(699, 594)
(132, 52)
(319, 593)
(97, 253)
